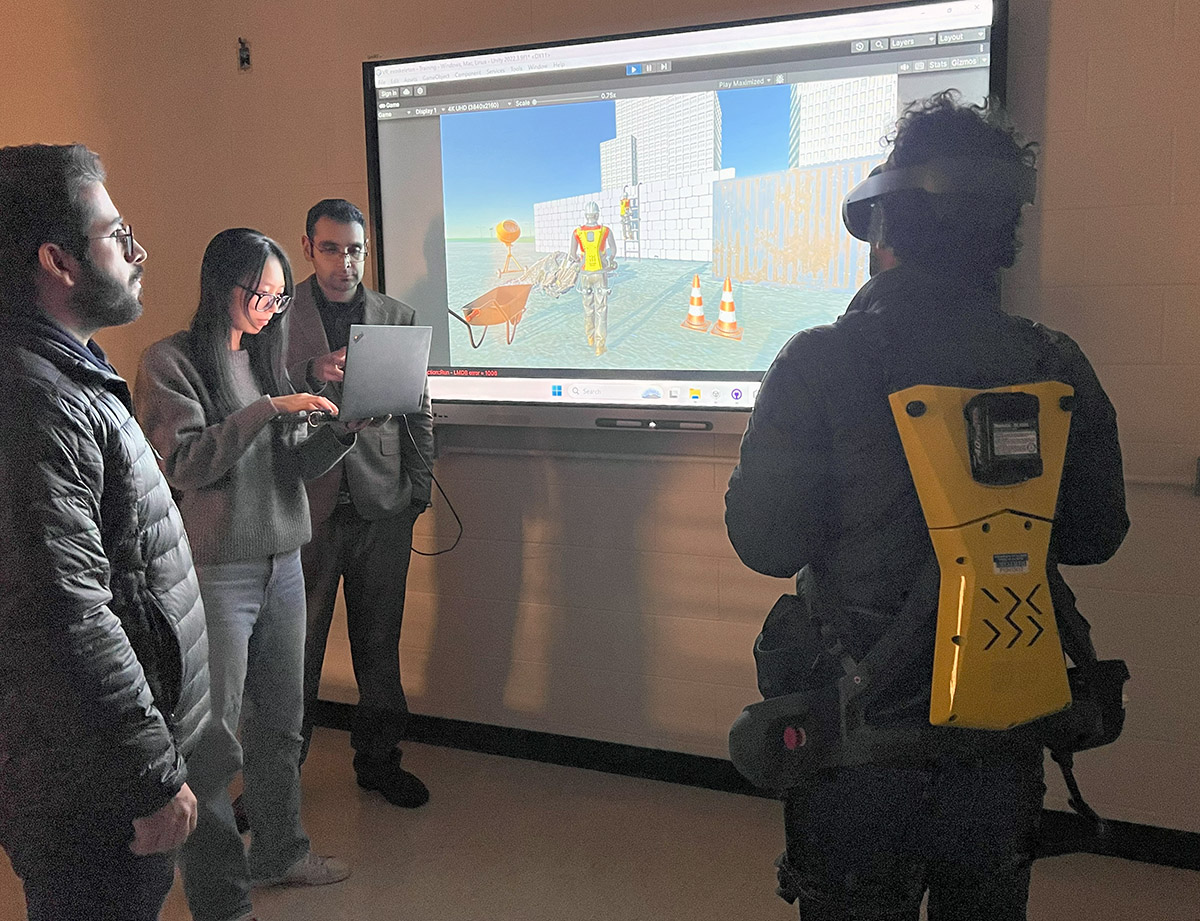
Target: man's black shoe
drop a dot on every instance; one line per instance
(398, 786)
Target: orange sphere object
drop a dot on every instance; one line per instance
(507, 232)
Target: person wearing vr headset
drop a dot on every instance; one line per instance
(823, 488)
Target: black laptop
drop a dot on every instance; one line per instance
(385, 372)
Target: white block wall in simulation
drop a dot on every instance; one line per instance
(618, 162)
(841, 119)
(676, 135)
(676, 217)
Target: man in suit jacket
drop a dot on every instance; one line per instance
(363, 509)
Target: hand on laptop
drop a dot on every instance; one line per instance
(329, 367)
(359, 424)
(303, 403)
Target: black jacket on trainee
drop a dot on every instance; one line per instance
(823, 480)
(103, 651)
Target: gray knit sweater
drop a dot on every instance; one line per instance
(239, 482)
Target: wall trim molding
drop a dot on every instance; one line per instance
(1062, 832)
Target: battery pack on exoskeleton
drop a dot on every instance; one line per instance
(987, 467)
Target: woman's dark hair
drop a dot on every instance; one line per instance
(235, 258)
(963, 235)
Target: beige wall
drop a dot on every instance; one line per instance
(594, 592)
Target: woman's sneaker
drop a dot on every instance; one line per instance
(310, 870)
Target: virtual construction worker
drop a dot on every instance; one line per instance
(626, 215)
(593, 249)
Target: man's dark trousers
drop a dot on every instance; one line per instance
(372, 558)
(89, 874)
(865, 842)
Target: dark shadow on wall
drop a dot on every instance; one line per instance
(427, 294)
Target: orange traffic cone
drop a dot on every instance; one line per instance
(727, 319)
(695, 314)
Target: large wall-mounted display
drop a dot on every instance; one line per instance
(625, 231)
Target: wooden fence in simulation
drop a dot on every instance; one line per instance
(786, 227)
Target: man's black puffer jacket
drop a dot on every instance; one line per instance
(823, 478)
(103, 652)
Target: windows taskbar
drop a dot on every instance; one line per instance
(590, 391)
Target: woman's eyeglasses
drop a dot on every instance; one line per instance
(262, 302)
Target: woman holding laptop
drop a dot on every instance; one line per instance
(219, 408)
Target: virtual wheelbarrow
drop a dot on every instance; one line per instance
(502, 306)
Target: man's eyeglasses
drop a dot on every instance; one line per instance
(355, 252)
(124, 233)
(262, 302)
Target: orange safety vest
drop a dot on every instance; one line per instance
(591, 241)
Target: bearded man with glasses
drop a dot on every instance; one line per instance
(363, 510)
(104, 682)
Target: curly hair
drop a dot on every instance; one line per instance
(961, 234)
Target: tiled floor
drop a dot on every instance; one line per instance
(508, 840)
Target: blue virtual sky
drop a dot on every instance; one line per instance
(495, 165)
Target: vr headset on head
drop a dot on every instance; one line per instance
(1002, 179)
